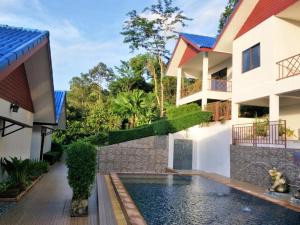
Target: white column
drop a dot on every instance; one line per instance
(179, 79)
(204, 78)
(171, 151)
(274, 107)
(235, 109)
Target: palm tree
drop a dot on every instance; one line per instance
(131, 105)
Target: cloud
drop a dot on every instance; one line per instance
(72, 50)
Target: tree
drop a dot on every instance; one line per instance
(151, 30)
(134, 106)
(226, 14)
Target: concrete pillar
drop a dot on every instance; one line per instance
(274, 107)
(205, 72)
(204, 78)
(204, 102)
(235, 110)
(179, 79)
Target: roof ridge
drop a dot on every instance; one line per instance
(199, 35)
(23, 28)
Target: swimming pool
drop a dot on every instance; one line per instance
(195, 200)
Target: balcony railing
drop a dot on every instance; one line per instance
(289, 67)
(191, 89)
(219, 85)
(220, 110)
(260, 133)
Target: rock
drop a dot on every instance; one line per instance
(79, 208)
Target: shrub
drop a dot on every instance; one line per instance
(56, 147)
(81, 161)
(97, 139)
(37, 168)
(51, 157)
(131, 134)
(174, 112)
(160, 127)
(17, 171)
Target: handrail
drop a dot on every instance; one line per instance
(220, 110)
(191, 89)
(289, 67)
(219, 85)
(260, 133)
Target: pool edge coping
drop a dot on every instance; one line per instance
(132, 214)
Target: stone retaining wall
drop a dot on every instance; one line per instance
(142, 155)
(251, 164)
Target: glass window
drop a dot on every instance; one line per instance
(251, 58)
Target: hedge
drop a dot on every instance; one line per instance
(160, 127)
(174, 112)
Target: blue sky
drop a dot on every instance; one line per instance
(85, 32)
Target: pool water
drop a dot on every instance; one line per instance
(194, 200)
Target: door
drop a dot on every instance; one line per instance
(183, 154)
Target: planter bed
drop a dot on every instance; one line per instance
(21, 194)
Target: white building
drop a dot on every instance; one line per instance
(27, 103)
(259, 47)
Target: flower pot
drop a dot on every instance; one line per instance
(79, 208)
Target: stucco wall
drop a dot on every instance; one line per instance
(211, 147)
(292, 115)
(278, 40)
(143, 155)
(17, 144)
(251, 164)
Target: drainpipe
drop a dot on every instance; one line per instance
(43, 134)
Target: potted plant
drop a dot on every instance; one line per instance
(81, 162)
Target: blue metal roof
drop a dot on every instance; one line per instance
(200, 41)
(59, 103)
(16, 42)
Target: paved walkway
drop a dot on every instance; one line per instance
(48, 203)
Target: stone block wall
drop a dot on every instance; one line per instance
(251, 164)
(142, 155)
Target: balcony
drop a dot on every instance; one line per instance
(260, 134)
(191, 89)
(219, 85)
(220, 110)
(289, 67)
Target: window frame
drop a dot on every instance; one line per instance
(251, 58)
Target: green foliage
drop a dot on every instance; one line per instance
(81, 161)
(173, 111)
(160, 127)
(37, 168)
(226, 14)
(17, 171)
(97, 139)
(51, 157)
(136, 106)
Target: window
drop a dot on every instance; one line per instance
(251, 58)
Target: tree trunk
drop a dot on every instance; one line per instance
(162, 71)
(151, 69)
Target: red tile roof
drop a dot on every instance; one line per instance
(262, 11)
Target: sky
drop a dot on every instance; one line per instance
(86, 32)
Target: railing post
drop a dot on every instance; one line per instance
(233, 135)
(285, 138)
(254, 135)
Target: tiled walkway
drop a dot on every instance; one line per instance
(48, 203)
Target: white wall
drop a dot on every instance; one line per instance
(36, 143)
(211, 147)
(278, 40)
(16, 144)
(292, 115)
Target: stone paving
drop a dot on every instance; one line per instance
(48, 203)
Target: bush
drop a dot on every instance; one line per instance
(161, 127)
(81, 161)
(52, 157)
(37, 168)
(97, 139)
(17, 171)
(174, 112)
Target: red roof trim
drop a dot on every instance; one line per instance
(263, 10)
(228, 22)
(188, 54)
